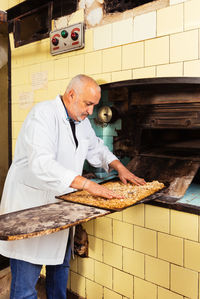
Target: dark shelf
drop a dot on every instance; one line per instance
(149, 82)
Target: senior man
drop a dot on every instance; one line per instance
(52, 146)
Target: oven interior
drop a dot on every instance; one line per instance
(159, 131)
(181, 143)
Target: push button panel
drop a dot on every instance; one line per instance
(67, 39)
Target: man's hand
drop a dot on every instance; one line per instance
(125, 175)
(98, 190)
(93, 188)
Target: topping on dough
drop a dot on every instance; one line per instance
(131, 193)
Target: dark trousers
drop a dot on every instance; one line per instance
(25, 276)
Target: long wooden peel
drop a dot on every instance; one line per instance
(45, 220)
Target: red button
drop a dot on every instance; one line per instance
(55, 41)
(74, 35)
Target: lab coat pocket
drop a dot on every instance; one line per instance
(31, 196)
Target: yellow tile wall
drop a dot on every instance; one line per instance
(89, 227)
(12, 3)
(60, 69)
(145, 240)
(170, 70)
(102, 37)
(93, 63)
(123, 283)
(144, 26)
(4, 4)
(166, 294)
(103, 228)
(103, 274)
(120, 232)
(102, 78)
(122, 32)
(173, 2)
(77, 284)
(108, 294)
(144, 252)
(192, 68)
(191, 14)
(96, 248)
(112, 254)
(172, 13)
(123, 75)
(112, 59)
(144, 289)
(184, 225)
(157, 271)
(184, 46)
(86, 267)
(184, 281)
(17, 56)
(93, 290)
(19, 113)
(147, 72)
(133, 55)
(16, 126)
(77, 17)
(157, 51)
(170, 248)
(192, 250)
(116, 215)
(134, 215)
(157, 218)
(133, 262)
(76, 65)
(74, 264)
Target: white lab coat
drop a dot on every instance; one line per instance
(45, 163)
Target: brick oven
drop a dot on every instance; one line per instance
(160, 129)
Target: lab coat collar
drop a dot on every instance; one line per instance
(61, 109)
(62, 113)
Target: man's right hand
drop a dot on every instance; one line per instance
(93, 188)
(98, 190)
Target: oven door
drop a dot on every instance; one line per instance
(177, 174)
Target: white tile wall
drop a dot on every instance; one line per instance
(172, 2)
(102, 37)
(144, 26)
(122, 32)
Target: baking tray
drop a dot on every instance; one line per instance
(149, 198)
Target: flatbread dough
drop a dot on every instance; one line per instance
(131, 193)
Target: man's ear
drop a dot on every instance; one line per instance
(71, 95)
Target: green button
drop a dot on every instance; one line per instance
(64, 33)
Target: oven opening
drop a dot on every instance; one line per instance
(180, 143)
(192, 194)
(196, 179)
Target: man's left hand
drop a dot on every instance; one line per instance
(125, 175)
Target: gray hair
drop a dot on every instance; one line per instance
(77, 83)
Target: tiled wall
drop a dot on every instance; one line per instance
(5, 4)
(144, 252)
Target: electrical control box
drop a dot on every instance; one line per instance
(67, 39)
